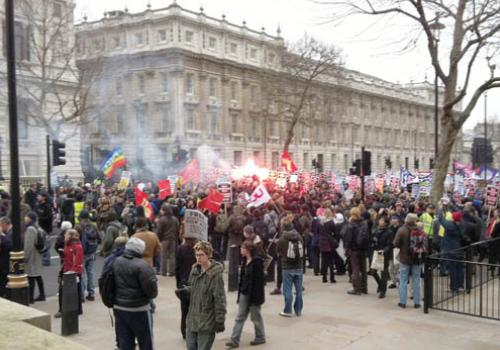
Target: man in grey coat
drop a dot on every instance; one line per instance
(32, 257)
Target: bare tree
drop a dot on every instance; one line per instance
(473, 28)
(290, 92)
(52, 90)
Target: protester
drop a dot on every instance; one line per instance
(356, 242)
(168, 233)
(33, 257)
(149, 238)
(90, 240)
(207, 303)
(5, 249)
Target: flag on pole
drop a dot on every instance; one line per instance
(259, 196)
(287, 162)
(212, 202)
(191, 172)
(165, 189)
(113, 161)
(141, 200)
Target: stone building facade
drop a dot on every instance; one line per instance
(32, 139)
(172, 77)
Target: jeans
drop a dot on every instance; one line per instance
(243, 310)
(134, 325)
(327, 264)
(292, 277)
(199, 340)
(456, 272)
(168, 257)
(359, 273)
(88, 275)
(404, 273)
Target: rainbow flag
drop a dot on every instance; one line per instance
(115, 160)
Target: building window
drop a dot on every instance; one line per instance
(57, 13)
(234, 123)
(233, 48)
(213, 122)
(190, 120)
(164, 82)
(189, 35)
(119, 86)
(271, 57)
(162, 35)
(234, 91)
(165, 122)
(253, 94)
(140, 85)
(253, 54)
(212, 87)
(22, 129)
(97, 45)
(346, 163)
(116, 42)
(273, 128)
(274, 160)
(238, 157)
(139, 39)
(22, 41)
(212, 42)
(189, 84)
(140, 115)
(120, 119)
(306, 160)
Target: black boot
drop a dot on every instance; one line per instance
(41, 296)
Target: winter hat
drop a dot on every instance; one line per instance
(248, 231)
(339, 218)
(84, 214)
(32, 215)
(66, 225)
(457, 216)
(287, 226)
(477, 204)
(135, 245)
(120, 241)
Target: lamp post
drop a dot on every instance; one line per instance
(492, 68)
(436, 26)
(18, 281)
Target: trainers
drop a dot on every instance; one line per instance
(353, 292)
(285, 314)
(392, 286)
(417, 306)
(258, 342)
(276, 291)
(232, 345)
(58, 314)
(403, 306)
(90, 298)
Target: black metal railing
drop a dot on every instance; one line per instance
(465, 281)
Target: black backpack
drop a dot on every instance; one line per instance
(107, 286)
(362, 238)
(41, 240)
(90, 239)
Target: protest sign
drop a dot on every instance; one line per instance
(226, 190)
(195, 225)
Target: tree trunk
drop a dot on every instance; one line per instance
(447, 137)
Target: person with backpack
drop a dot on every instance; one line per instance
(413, 245)
(90, 240)
(291, 252)
(356, 244)
(135, 286)
(33, 242)
(235, 227)
(113, 230)
(168, 234)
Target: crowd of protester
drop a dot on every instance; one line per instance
(386, 236)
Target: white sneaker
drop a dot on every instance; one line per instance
(284, 314)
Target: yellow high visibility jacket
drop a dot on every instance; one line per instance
(428, 222)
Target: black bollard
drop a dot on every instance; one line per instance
(70, 302)
(234, 262)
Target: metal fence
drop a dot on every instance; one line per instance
(465, 281)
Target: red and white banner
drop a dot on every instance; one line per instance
(259, 197)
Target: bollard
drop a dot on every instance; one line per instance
(234, 262)
(70, 302)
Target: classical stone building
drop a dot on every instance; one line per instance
(174, 78)
(41, 93)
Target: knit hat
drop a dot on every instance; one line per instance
(66, 225)
(457, 216)
(84, 214)
(135, 245)
(32, 216)
(339, 218)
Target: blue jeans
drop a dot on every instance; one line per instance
(292, 277)
(404, 272)
(243, 310)
(456, 273)
(88, 275)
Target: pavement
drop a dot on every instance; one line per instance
(331, 320)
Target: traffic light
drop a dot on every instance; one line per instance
(356, 168)
(180, 156)
(388, 163)
(85, 158)
(58, 153)
(431, 163)
(367, 163)
(415, 163)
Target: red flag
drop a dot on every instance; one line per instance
(141, 199)
(191, 172)
(165, 191)
(287, 162)
(212, 202)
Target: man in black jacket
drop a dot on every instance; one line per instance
(184, 261)
(135, 287)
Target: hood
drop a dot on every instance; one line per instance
(325, 220)
(215, 268)
(291, 235)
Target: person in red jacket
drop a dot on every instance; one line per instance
(73, 262)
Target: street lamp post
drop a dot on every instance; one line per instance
(18, 281)
(492, 68)
(436, 26)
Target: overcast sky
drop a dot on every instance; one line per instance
(368, 46)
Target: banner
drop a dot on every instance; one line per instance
(125, 180)
(195, 225)
(212, 202)
(425, 188)
(227, 191)
(165, 189)
(141, 200)
(259, 197)
(379, 185)
(113, 161)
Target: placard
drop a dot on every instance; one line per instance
(491, 195)
(195, 225)
(226, 190)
